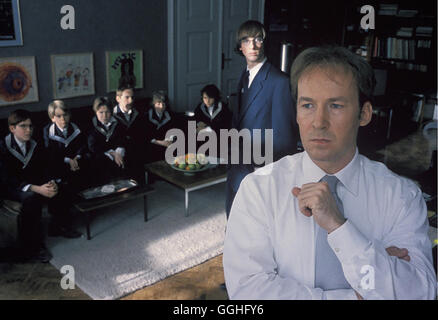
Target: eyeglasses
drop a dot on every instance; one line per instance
(25, 126)
(248, 41)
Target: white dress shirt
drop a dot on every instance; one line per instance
(254, 70)
(269, 250)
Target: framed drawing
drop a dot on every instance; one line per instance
(18, 80)
(10, 24)
(72, 75)
(124, 68)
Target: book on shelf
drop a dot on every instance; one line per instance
(405, 32)
(387, 9)
(407, 13)
(424, 31)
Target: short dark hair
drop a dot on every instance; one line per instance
(122, 88)
(332, 56)
(17, 116)
(102, 101)
(250, 28)
(212, 91)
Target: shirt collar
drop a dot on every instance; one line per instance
(127, 112)
(348, 176)
(19, 143)
(253, 71)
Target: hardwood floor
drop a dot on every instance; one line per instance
(409, 156)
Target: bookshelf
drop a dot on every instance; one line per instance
(403, 42)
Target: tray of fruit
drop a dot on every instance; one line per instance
(191, 163)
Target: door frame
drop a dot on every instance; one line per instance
(171, 43)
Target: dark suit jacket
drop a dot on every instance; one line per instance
(18, 170)
(268, 105)
(156, 128)
(58, 148)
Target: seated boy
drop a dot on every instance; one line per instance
(132, 121)
(159, 120)
(66, 148)
(106, 144)
(25, 178)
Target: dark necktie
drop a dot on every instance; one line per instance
(244, 90)
(245, 82)
(328, 269)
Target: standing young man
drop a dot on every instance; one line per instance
(329, 223)
(264, 102)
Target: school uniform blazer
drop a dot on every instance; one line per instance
(267, 105)
(58, 147)
(157, 128)
(18, 170)
(134, 128)
(101, 140)
(220, 119)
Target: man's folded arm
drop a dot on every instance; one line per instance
(376, 275)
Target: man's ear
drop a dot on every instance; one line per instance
(366, 114)
(12, 129)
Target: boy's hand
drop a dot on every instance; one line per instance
(48, 190)
(74, 165)
(118, 159)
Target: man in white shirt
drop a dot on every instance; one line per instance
(292, 236)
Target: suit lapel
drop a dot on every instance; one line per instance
(254, 90)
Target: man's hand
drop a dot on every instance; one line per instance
(317, 200)
(48, 190)
(402, 253)
(74, 165)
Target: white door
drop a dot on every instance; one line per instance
(201, 39)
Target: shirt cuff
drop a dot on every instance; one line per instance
(26, 187)
(346, 241)
(121, 151)
(109, 155)
(67, 160)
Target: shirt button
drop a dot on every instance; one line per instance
(337, 249)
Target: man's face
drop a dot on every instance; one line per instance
(125, 100)
(103, 114)
(61, 118)
(253, 50)
(22, 130)
(329, 117)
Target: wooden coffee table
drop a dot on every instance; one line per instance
(187, 182)
(87, 206)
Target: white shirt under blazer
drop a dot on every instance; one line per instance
(269, 250)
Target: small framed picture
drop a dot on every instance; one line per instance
(72, 75)
(124, 68)
(18, 80)
(10, 24)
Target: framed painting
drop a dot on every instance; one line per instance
(124, 68)
(72, 75)
(18, 80)
(10, 24)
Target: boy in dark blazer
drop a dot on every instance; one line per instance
(26, 178)
(106, 143)
(132, 121)
(66, 151)
(264, 102)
